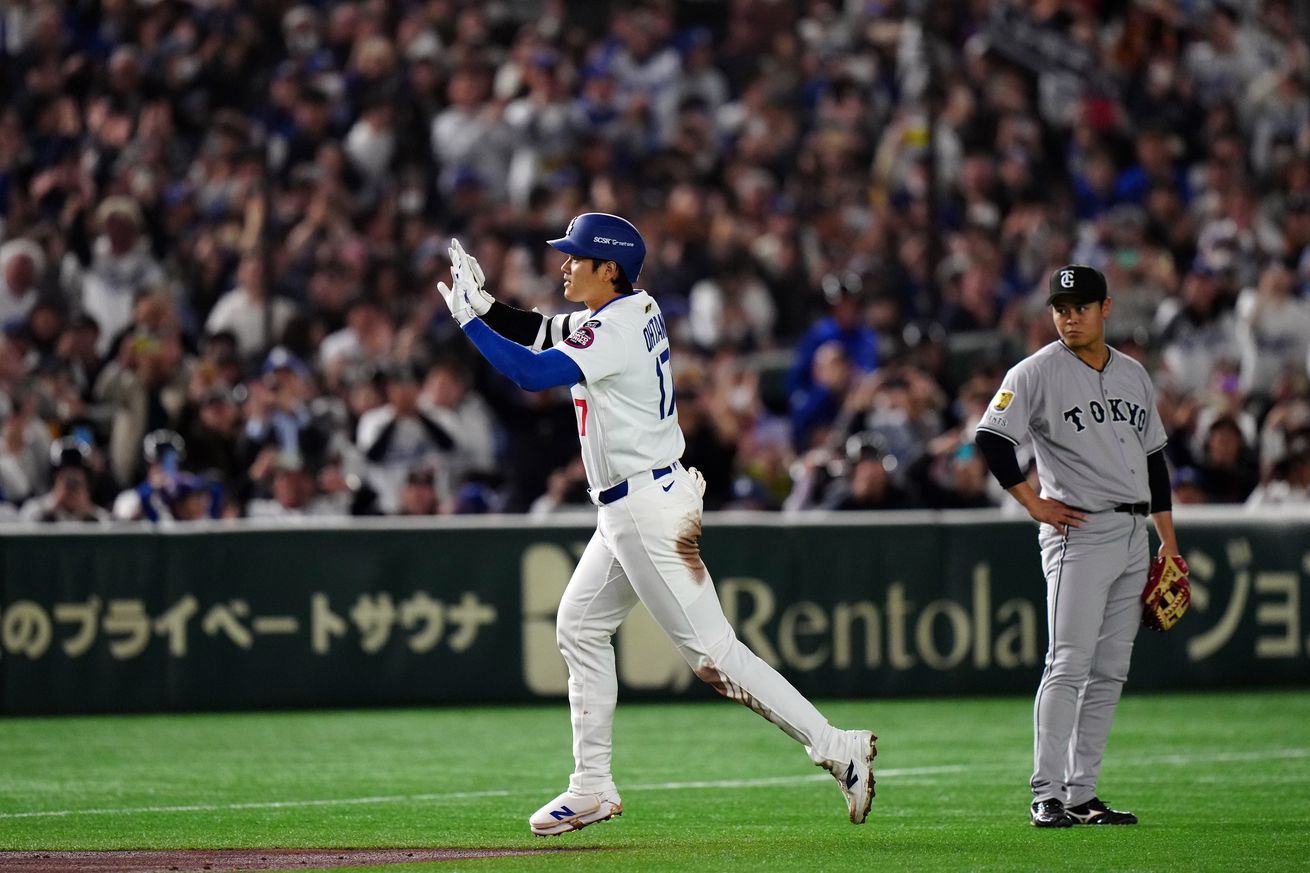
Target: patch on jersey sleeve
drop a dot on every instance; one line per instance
(1002, 400)
(581, 338)
(591, 322)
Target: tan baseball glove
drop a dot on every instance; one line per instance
(1167, 594)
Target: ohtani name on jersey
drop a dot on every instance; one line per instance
(654, 331)
(1120, 411)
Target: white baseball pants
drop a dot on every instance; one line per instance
(645, 549)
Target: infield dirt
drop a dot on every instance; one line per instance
(234, 860)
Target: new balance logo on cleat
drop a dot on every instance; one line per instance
(572, 811)
(855, 779)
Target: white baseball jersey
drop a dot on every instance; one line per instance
(626, 409)
(646, 548)
(1092, 430)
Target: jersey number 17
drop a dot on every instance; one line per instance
(666, 395)
(659, 374)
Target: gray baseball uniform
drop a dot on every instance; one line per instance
(1091, 433)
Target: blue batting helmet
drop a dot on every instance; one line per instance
(607, 238)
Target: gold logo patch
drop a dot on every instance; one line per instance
(1003, 399)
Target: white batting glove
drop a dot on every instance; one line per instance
(466, 273)
(456, 302)
(699, 479)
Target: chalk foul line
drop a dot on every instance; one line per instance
(761, 782)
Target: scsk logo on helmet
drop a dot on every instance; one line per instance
(613, 242)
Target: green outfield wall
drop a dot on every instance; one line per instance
(219, 617)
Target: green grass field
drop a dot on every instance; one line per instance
(1220, 781)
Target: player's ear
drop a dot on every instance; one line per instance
(1106, 305)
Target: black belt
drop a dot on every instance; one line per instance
(1130, 508)
(620, 491)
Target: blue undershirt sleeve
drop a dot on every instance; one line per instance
(531, 371)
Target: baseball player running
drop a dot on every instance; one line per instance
(1098, 440)
(614, 353)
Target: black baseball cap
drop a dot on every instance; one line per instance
(1079, 282)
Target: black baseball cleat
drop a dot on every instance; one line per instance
(1097, 812)
(1050, 814)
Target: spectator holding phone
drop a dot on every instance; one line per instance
(69, 497)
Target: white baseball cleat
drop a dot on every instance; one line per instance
(854, 773)
(572, 811)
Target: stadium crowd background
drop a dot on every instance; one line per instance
(222, 224)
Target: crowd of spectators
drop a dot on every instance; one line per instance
(221, 224)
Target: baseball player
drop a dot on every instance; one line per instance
(614, 353)
(1098, 440)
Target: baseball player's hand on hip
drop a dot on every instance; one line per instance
(467, 277)
(1056, 514)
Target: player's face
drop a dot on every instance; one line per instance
(586, 280)
(1080, 325)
